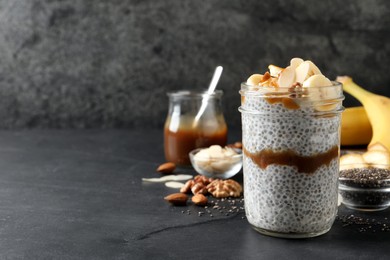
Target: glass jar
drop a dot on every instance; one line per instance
(183, 133)
(291, 145)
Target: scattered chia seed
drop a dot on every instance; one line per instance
(235, 206)
(225, 207)
(364, 224)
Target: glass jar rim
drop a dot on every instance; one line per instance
(287, 114)
(194, 94)
(260, 90)
(307, 98)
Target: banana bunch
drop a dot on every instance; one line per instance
(377, 112)
(355, 127)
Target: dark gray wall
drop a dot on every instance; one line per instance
(81, 63)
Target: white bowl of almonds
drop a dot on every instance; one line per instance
(216, 161)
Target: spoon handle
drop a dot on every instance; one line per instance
(213, 84)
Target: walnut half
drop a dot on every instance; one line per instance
(197, 185)
(224, 188)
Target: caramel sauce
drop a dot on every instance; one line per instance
(286, 102)
(304, 164)
(178, 144)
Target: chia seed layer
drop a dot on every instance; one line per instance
(279, 198)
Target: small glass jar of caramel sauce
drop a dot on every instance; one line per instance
(183, 133)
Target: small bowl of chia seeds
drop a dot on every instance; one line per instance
(365, 188)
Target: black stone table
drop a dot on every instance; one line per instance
(78, 194)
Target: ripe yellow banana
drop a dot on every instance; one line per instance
(355, 127)
(377, 108)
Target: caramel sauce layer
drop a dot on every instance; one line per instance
(286, 102)
(304, 164)
(242, 99)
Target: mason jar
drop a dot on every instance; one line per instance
(186, 129)
(291, 146)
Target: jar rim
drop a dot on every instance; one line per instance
(194, 94)
(256, 90)
(243, 110)
(323, 100)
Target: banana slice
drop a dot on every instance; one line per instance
(286, 77)
(274, 70)
(305, 70)
(254, 80)
(352, 161)
(314, 84)
(378, 159)
(317, 81)
(314, 69)
(377, 147)
(320, 88)
(302, 72)
(295, 62)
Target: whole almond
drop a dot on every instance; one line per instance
(177, 199)
(200, 199)
(166, 168)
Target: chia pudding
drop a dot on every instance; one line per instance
(291, 140)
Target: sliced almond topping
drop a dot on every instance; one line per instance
(286, 77)
(254, 79)
(274, 70)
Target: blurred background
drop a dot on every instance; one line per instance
(108, 64)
